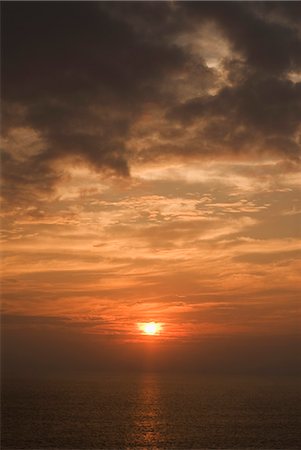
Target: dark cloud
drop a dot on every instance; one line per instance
(287, 13)
(267, 45)
(23, 181)
(82, 73)
(79, 77)
(63, 49)
(259, 111)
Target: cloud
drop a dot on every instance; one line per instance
(272, 257)
(266, 44)
(260, 114)
(78, 77)
(151, 161)
(105, 84)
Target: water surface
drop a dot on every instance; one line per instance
(152, 411)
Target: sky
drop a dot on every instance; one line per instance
(151, 173)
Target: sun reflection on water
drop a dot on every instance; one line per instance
(147, 416)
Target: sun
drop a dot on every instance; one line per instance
(151, 328)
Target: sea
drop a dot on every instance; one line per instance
(151, 411)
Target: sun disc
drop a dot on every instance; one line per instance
(151, 328)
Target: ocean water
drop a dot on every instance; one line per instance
(151, 411)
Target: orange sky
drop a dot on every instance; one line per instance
(164, 197)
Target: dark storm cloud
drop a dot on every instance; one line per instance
(260, 109)
(264, 108)
(285, 12)
(81, 73)
(79, 77)
(267, 45)
(269, 105)
(76, 48)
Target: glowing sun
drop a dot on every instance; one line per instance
(151, 328)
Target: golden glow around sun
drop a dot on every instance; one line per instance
(150, 328)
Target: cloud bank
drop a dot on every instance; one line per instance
(107, 85)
